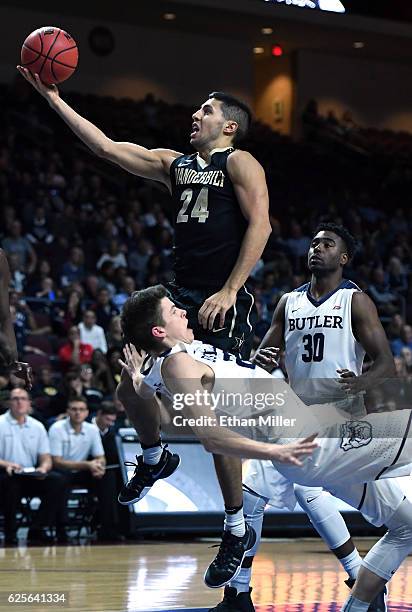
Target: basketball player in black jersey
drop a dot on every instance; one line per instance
(221, 227)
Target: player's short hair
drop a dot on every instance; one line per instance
(343, 233)
(141, 312)
(234, 109)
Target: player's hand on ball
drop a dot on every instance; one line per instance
(292, 454)
(215, 306)
(266, 358)
(50, 92)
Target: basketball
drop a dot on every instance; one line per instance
(51, 53)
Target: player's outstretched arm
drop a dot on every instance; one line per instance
(182, 375)
(153, 164)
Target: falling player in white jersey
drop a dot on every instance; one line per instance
(351, 454)
(326, 326)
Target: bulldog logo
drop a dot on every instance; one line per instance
(355, 434)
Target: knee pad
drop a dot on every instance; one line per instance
(322, 511)
(388, 553)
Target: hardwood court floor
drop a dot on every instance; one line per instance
(296, 575)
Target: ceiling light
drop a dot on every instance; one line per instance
(358, 45)
(169, 16)
(258, 50)
(267, 31)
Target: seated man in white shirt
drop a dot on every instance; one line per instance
(25, 470)
(78, 454)
(92, 334)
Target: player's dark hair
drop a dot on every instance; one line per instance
(343, 233)
(234, 109)
(140, 313)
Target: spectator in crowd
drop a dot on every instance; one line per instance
(91, 333)
(47, 290)
(394, 328)
(43, 270)
(16, 243)
(24, 324)
(90, 387)
(104, 308)
(39, 232)
(115, 335)
(102, 373)
(405, 341)
(17, 276)
(298, 245)
(114, 255)
(127, 287)
(71, 386)
(26, 466)
(138, 260)
(73, 269)
(106, 277)
(75, 352)
(386, 301)
(113, 356)
(397, 279)
(72, 442)
(105, 420)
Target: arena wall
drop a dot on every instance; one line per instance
(177, 66)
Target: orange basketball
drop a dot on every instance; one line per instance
(51, 53)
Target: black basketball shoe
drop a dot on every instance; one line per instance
(234, 602)
(227, 564)
(145, 475)
(379, 604)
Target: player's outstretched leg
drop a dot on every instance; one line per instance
(237, 595)
(155, 463)
(382, 560)
(328, 522)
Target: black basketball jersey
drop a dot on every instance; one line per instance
(209, 225)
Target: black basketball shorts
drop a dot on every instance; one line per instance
(236, 335)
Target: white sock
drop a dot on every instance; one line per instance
(242, 581)
(351, 564)
(152, 455)
(254, 507)
(235, 523)
(355, 605)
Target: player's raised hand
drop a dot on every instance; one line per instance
(266, 358)
(50, 92)
(216, 305)
(291, 454)
(132, 363)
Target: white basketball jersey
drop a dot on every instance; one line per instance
(224, 365)
(319, 340)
